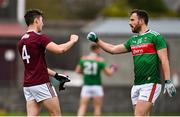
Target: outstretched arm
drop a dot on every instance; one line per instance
(113, 49)
(61, 48)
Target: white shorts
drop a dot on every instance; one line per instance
(146, 92)
(92, 91)
(39, 92)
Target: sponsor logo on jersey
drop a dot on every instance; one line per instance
(143, 49)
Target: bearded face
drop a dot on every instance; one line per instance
(135, 23)
(136, 28)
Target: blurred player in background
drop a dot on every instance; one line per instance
(90, 67)
(149, 49)
(37, 87)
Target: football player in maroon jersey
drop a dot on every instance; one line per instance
(37, 87)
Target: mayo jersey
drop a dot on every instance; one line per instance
(146, 62)
(32, 50)
(91, 70)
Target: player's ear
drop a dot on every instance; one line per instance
(141, 21)
(36, 21)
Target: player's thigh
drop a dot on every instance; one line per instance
(98, 100)
(52, 105)
(84, 100)
(142, 108)
(33, 108)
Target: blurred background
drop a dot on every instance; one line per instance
(109, 19)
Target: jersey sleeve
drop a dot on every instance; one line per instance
(127, 45)
(160, 42)
(103, 65)
(45, 40)
(80, 63)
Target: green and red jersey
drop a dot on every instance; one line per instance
(146, 62)
(91, 70)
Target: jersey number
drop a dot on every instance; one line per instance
(25, 55)
(90, 68)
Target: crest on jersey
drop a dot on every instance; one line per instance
(145, 39)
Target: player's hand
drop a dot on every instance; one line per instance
(92, 37)
(74, 38)
(62, 79)
(170, 88)
(114, 67)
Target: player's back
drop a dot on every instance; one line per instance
(32, 50)
(92, 67)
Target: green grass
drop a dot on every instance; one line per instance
(4, 113)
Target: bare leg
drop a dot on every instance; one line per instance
(83, 106)
(52, 105)
(97, 102)
(142, 108)
(33, 108)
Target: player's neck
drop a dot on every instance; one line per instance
(143, 30)
(93, 54)
(32, 28)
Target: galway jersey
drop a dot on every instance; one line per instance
(91, 70)
(146, 62)
(32, 50)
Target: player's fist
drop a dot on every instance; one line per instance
(74, 38)
(92, 37)
(169, 87)
(114, 67)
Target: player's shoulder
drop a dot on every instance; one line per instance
(154, 33)
(84, 57)
(100, 59)
(132, 37)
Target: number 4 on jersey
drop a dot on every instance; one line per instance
(25, 55)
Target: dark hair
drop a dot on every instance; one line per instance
(142, 14)
(94, 47)
(31, 15)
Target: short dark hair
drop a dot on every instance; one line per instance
(94, 47)
(31, 15)
(142, 14)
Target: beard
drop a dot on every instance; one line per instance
(136, 29)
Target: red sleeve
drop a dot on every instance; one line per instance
(45, 40)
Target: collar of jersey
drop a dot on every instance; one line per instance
(33, 31)
(145, 32)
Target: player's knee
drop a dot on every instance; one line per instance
(55, 112)
(139, 113)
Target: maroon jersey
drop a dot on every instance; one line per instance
(32, 50)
